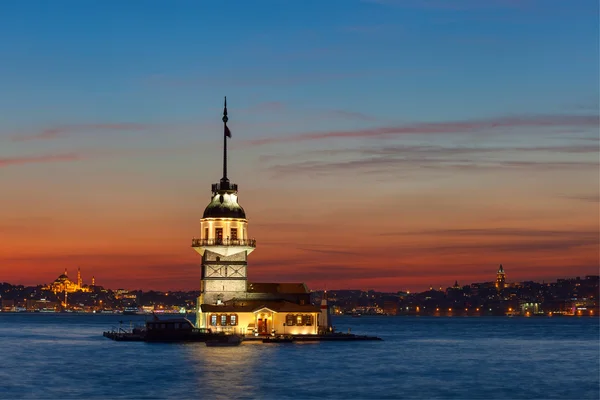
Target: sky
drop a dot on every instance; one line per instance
(377, 144)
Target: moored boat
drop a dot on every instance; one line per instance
(175, 330)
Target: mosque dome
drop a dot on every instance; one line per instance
(224, 205)
(62, 278)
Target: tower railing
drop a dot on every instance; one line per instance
(223, 242)
(226, 186)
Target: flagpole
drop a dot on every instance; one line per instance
(225, 141)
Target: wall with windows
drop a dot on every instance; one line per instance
(231, 228)
(296, 323)
(230, 322)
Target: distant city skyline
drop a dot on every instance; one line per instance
(377, 144)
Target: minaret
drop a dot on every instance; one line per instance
(224, 243)
(500, 278)
(93, 281)
(79, 282)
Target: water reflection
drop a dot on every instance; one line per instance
(224, 372)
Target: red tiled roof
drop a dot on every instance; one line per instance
(289, 288)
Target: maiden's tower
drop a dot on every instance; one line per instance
(228, 301)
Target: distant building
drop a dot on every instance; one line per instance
(63, 284)
(500, 278)
(227, 301)
(390, 306)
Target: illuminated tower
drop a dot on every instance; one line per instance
(500, 278)
(79, 282)
(223, 244)
(93, 281)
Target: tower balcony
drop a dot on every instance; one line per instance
(224, 247)
(224, 186)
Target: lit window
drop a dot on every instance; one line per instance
(233, 320)
(299, 320)
(308, 320)
(223, 319)
(213, 320)
(289, 320)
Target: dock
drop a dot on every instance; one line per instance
(139, 336)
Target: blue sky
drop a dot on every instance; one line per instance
(469, 114)
(404, 60)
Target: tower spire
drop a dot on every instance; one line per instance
(227, 133)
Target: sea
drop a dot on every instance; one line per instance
(65, 356)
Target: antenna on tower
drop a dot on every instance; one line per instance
(226, 134)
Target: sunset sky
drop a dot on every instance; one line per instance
(382, 144)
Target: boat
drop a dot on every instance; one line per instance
(279, 339)
(175, 330)
(131, 311)
(224, 341)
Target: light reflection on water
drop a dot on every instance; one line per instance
(65, 356)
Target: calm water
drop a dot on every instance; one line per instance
(65, 356)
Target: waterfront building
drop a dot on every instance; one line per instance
(63, 284)
(228, 301)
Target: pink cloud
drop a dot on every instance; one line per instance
(62, 131)
(441, 127)
(7, 162)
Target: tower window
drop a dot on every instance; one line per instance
(219, 235)
(205, 233)
(234, 235)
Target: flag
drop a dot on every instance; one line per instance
(227, 132)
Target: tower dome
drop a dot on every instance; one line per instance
(224, 204)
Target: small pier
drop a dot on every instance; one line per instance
(139, 336)
(330, 337)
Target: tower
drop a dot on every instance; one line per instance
(79, 282)
(224, 243)
(324, 316)
(93, 281)
(500, 278)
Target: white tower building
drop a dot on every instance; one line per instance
(224, 243)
